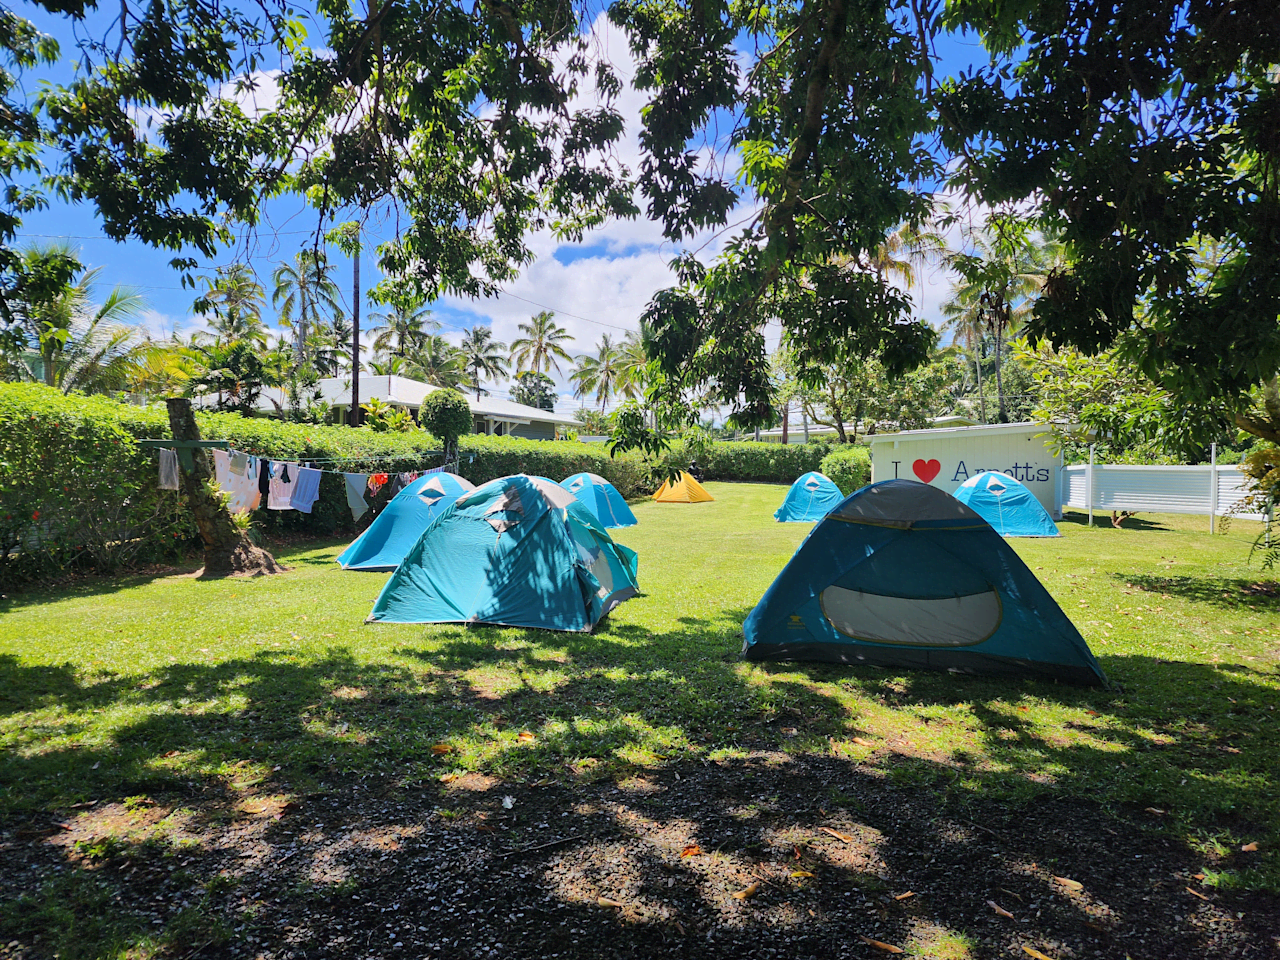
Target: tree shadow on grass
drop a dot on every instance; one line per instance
(764, 759)
(1233, 593)
(1102, 521)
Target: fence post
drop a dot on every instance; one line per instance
(1088, 484)
(1213, 487)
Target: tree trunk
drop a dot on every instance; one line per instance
(786, 421)
(355, 343)
(227, 550)
(1002, 415)
(982, 400)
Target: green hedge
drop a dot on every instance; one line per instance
(752, 462)
(76, 491)
(486, 458)
(848, 467)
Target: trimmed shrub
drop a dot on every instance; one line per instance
(482, 458)
(750, 462)
(848, 467)
(77, 492)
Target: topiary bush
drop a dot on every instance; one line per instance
(848, 467)
(445, 414)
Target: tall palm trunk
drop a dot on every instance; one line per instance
(1002, 415)
(355, 340)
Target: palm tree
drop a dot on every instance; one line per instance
(236, 299)
(405, 325)
(391, 367)
(483, 357)
(438, 362)
(633, 364)
(304, 292)
(161, 367)
(967, 325)
(80, 345)
(998, 285)
(599, 374)
(540, 344)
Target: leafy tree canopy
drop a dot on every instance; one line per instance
(1144, 133)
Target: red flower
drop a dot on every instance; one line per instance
(36, 515)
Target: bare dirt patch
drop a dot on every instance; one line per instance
(802, 857)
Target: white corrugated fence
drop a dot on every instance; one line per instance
(1207, 489)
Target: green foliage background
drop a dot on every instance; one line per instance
(848, 468)
(77, 493)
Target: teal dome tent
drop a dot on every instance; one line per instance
(1010, 508)
(519, 551)
(902, 574)
(602, 498)
(397, 528)
(810, 498)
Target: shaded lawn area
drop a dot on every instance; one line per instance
(231, 768)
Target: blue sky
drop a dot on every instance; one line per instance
(599, 286)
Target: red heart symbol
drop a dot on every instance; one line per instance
(926, 470)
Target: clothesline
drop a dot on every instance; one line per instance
(250, 481)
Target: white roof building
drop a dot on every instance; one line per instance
(492, 415)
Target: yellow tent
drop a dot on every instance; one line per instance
(684, 490)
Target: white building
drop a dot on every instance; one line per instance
(948, 457)
(492, 415)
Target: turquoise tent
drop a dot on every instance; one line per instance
(602, 498)
(397, 528)
(810, 498)
(1007, 505)
(902, 574)
(519, 551)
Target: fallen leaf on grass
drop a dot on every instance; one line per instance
(439, 748)
(1249, 848)
(526, 736)
(880, 945)
(999, 909)
(837, 834)
(1033, 952)
(863, 743)
(1070, 884)
(1196, 893)
(449, 778)
(903, 896)
(748, 893)
(606, 902)
(800, 874)
(1156, 811)
(692, 850)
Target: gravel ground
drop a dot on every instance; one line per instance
(775, 856)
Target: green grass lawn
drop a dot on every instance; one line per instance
(114, 689)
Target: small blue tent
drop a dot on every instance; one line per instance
(520, 552)
(397, 528)
(602, 498)
(902, 574)
(1007, 505)
(810, 498)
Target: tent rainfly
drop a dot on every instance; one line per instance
(1007, 505)
(397, 528)
(602, 498)
(519, 551)
(684, 490)
(810, 498)
(902, 574)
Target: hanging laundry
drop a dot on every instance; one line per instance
(264, 477)
(168, 470)
(241, 489)
(357, 483)
(375, 483)
(395, 484)
(239, 463)
(282, 480)
(306, 489)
